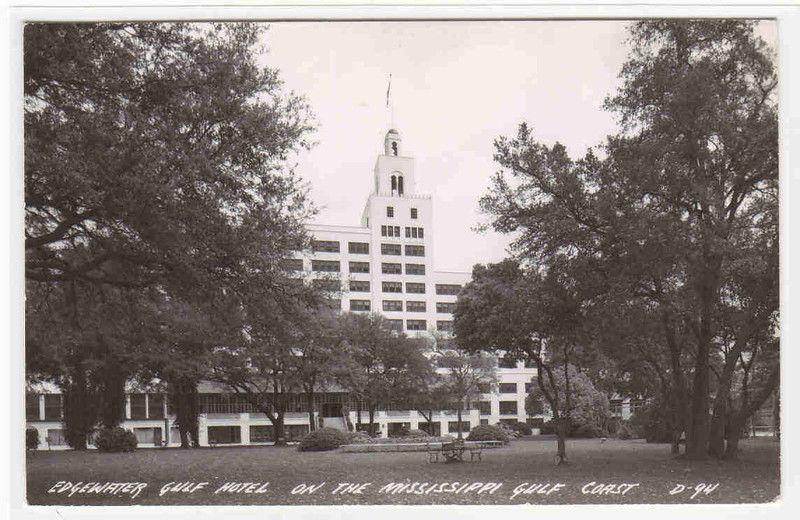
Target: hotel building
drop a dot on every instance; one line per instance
(384, 265)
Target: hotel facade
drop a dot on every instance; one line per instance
(383, 265)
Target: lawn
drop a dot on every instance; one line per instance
(602, 467)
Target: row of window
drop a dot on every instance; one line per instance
(143, 406)
(333, 246)
(396, 250)
(334, 266)
(506, 407)
(390, 212)
(394, 231)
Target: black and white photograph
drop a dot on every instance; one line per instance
(287, 262)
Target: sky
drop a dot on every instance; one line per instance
(456, 86)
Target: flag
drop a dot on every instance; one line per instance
(388, 89)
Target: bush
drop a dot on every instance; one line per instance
(486, 432)
(522, 428)
(115, 440)
(549, 428)
(626, 431)
(31, 438)
(653, 422)
(358, 437)
(417, 434)
(587, 431)
(324, 439)
(510, 432)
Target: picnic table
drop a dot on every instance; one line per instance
(454, 451)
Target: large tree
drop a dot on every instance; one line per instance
(156, 158)
(659, 217)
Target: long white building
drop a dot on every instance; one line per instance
(385, 265)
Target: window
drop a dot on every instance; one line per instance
(138, 410)
(392, 287)
(415, 250)
(484, 422)
(415, 268)
(32, 407)
(326, 284)
(444, 326)
(326, 266)
(359, 285)
(359, 305)
(392, 305)
(55, 437)
(394, 184)
(390, 249)
(415, 287)
(416, 324)
(261, 433)
(359, 267)
(443, 288)
(384, 231)
(408, 232)
(387, 268)
(506, 363)
(52, 407)
(484, 388)
(395, 325)
(420, 233)
(452, 426)
(413, 212)
(445, 307)
(508, 407)
(508, 388)
(358, 248)
(224, 434)
(485, 407)
(292, 264)
(397, 231)
(155, 406)
(389, 211)
(399, 184)
(325, 246)
(147, 435)
(528, 388)
(394, 148)
(415, 306)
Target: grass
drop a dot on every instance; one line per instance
(753, 478)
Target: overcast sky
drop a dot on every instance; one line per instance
(456, 86)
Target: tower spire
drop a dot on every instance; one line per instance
(389, 103)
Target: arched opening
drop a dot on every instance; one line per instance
(394, 184)
(394, 147)
(400, 185)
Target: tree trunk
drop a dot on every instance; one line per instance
(561, 440)
(460, 436)
(734, 434)
(310, 408)
(371, 421)
(279, 433)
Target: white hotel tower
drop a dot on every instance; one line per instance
(386, 265)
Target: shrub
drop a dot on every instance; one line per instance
(522, 428)
(510, 431)
(487, 432)
(653, 422)
(417, 434)
(324, 439)
(626, 431)
(115, 440)
(359, 437)
(587, 431)
(549, 428)
(31, 438)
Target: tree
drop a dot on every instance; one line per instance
(656, 221)
(155, 160)
(527, 316)
(379, 365)
(464, 375)
(588, 406)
